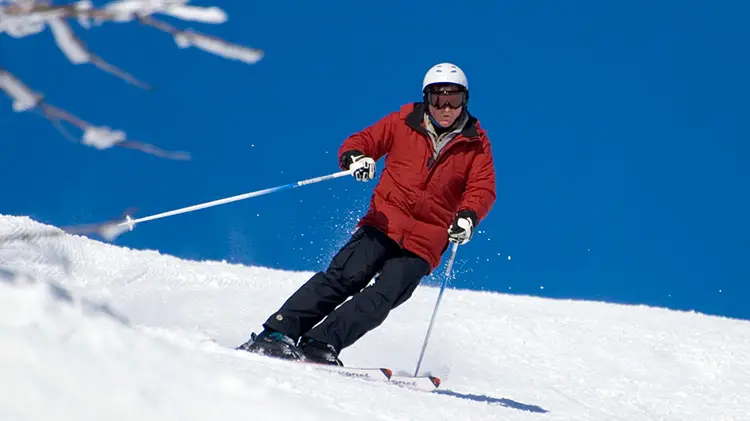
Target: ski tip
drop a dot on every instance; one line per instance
(435, 381)
(387, 372)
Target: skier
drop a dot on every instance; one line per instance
(437, 185)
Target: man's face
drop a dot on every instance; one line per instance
(446, 102)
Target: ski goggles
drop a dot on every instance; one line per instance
(442, 99)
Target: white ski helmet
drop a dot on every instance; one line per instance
(445, 73)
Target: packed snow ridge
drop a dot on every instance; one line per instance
(92, 331)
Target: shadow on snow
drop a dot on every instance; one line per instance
(509, 403)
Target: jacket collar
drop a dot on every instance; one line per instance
(416, 118)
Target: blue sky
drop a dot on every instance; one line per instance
(619, 132)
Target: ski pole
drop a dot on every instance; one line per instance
(437, 304)
(130, 223)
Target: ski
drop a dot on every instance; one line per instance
(376, 374)
(422, 383)
(425, 383)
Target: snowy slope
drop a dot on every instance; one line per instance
(90, 331)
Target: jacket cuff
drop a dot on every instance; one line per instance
(345, 160)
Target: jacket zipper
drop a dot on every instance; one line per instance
(432, 163)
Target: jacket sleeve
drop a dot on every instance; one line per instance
(374, 141)
(480, 193)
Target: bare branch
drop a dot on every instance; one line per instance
(53, 113)
(153, 150)
(22, 20)
(99, 137)
(43, 12)
(78, 53)
(218, 46)
(199, 14)
(27, 17)
(127, 77)
(68, 43)
(23, 97)
(188, 37)
(102, 137)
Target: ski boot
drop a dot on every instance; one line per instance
(318, 352)
(272, 344)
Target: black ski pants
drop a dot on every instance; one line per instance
(368, 252)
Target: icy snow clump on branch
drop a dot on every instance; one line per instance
(127, 10)
(102, 137)
(67, 42)
(23, 98)
(199, 14)
(217, 46)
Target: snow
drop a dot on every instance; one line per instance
(199, 14)
(93, 331)
(126, 10)
(23, 97)
(102, 137)
(112, 230)
(21, 26)
(67, 42)
(188, 38)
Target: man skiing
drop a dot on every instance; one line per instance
(437, 185)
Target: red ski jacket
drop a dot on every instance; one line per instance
(418, 196)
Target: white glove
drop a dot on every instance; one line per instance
(362, 168)
(462, 228)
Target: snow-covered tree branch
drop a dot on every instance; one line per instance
(100, 137)
(21, 18)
